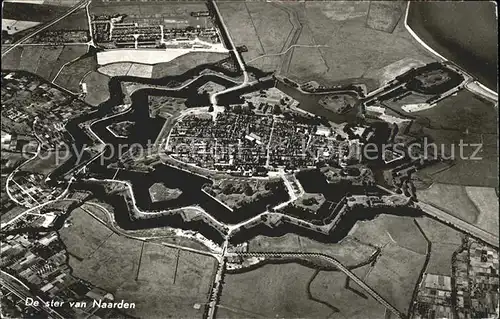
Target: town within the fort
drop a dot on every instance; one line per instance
(248, 159)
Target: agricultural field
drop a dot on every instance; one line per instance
(486, 201)
(173, 13)
(115, 69)
(144, 56)
(466, 170)
(140, 70)
(14, 26)
(46, 61)
(270, 291)
(389, 72)
(97, 88)
(49, 56)
(444, 242)
(356, 48)
(30, 11)
(305, 62)
(169, 282)
(440, 261)
(126, 68)
(438, 232)
(84, 235)
(157, 278)
(385, 15)
(349, 251)
(186, 62)
(385, 229)
(76, 21)
(403, 251)
(346, 298)
(111, 264)
(395, 275)
(452, 199)
(238, 20)
(72, 74)
(357, 52)
(461, 112)
(29, 58)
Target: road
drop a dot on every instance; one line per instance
(76, 7)
(447, 218)
(217, 284)
(226, 36)
(460, 224)
(337, 264)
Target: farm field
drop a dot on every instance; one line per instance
(463, 111)
(97, 88)
(467, 170)
(186, 62)
(115, 69)
(242, 31)
(84, 229)
(384, 15)
(169, 281)
(438, 232)
(157, 278)
(305, 62)
(113, 263)
(451, 198)
(126, 68)
(27, 11)
(395, 275)
(140, 70)
(440, 261)
(349, 251)
(45, 61)
(144, 10)
(385, 229)
(76, 21)
(73, 73)
(270, 291)
(486, 201)
(349, 301)
(444, 242)
(14, 26)
(357, 52)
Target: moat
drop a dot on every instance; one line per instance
(146, 129)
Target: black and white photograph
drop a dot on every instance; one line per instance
(267, 159)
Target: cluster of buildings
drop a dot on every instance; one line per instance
(472, 290)
(25, 188)
(18, 143)
(269, 101)
(434, 297)
(231, 142)
(121, 31)
(31, 106)
(248, 137)
(62, 36)
(40, 261)
(476, 276)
